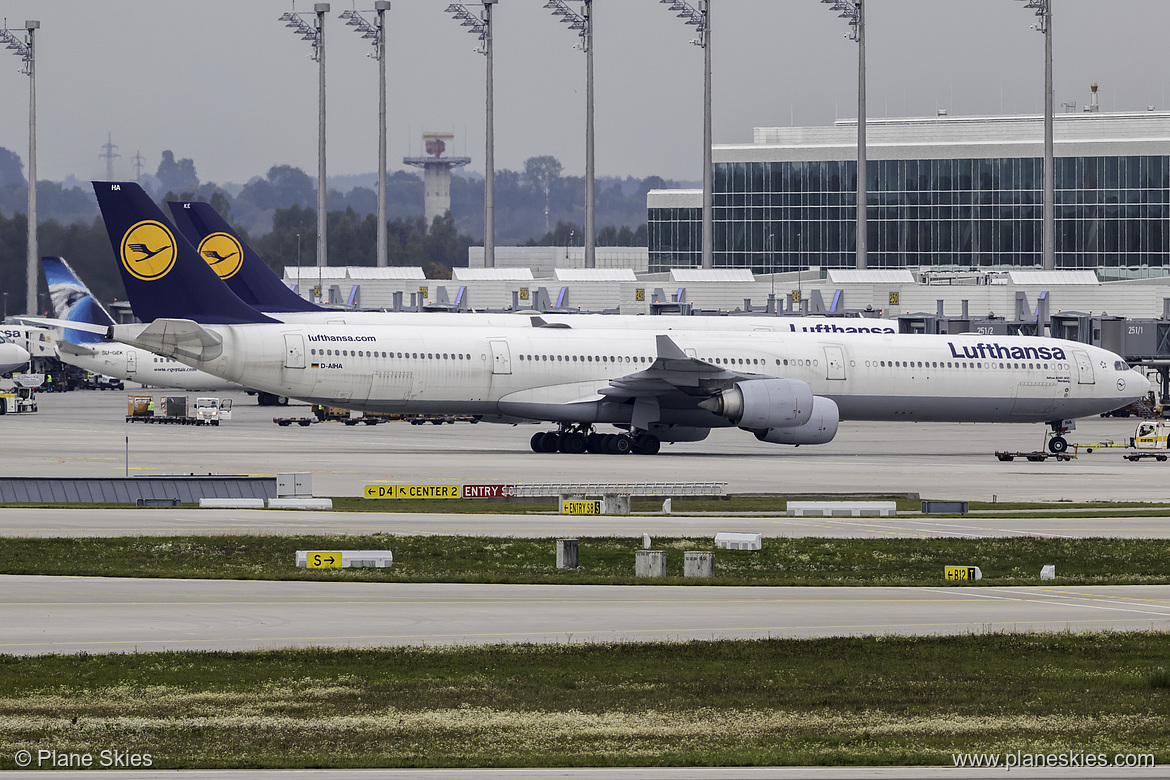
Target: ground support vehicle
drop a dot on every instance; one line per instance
(210, 411)
(95, 381)
(1036, 455)
(1151, 439)
(439, 419)
(173, 410)
(22, 399)
(1136, 456)
(337, 414)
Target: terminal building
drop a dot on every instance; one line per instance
(943, 193)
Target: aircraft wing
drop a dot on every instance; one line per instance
(674, 372)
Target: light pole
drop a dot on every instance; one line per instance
(481, 27)
(376, 34)
(316, 36)
(701, 19)
(582, 23)
(1043, 10)
(26, 50)
(854, 11)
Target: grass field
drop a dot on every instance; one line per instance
(603, 560)
(869, 701)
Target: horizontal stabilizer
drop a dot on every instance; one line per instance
(173, 338)
(52, 322)
(69, 348)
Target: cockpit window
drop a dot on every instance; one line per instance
(1121, 365)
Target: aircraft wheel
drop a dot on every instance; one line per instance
(537, 441)
(572, 443)
(618, 444)
(1057, 445)
(647, 444)
(595, 443)
(551, 442)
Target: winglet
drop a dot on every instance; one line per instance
(668, 350)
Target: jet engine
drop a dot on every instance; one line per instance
(820, 428)
(762, 404)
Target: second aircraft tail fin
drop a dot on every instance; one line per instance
(233, 260)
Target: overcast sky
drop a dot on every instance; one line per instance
(223, 82)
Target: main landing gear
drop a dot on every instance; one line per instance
(575, 440)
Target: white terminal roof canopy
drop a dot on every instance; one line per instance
(696, 275)
(492, 274)
(595, 275)
(871, 276)
(956, 137)
(312, 273)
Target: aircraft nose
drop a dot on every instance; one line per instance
(1141, 384)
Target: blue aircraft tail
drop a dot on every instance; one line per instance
(73, 301)
(164, 276)
(234, 261)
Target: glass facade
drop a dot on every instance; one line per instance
(1111, 214)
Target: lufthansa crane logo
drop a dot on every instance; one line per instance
(148, 250)
(223, 253)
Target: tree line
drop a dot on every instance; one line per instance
(276, 214)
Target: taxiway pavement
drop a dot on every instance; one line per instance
(50, 522)
(71, 614)
(84, 433)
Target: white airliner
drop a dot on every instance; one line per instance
(12, 355)
(789, 388)
(72, 301)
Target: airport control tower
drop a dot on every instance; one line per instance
(436, 173)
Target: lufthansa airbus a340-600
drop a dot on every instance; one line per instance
(785, 388)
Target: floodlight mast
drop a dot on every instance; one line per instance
(481, 27)
(854, 11)
(1043, 10)
(701, 19)
(376, 33)
(316, 36)
(26, 50)
(582, 24)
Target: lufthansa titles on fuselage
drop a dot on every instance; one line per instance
(996, 351)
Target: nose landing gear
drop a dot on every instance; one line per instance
(1056, 441)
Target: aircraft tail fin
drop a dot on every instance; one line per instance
(72, 301)
(164, 277)
(233, 260)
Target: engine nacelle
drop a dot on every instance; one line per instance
(820, 429)
(760, 404)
